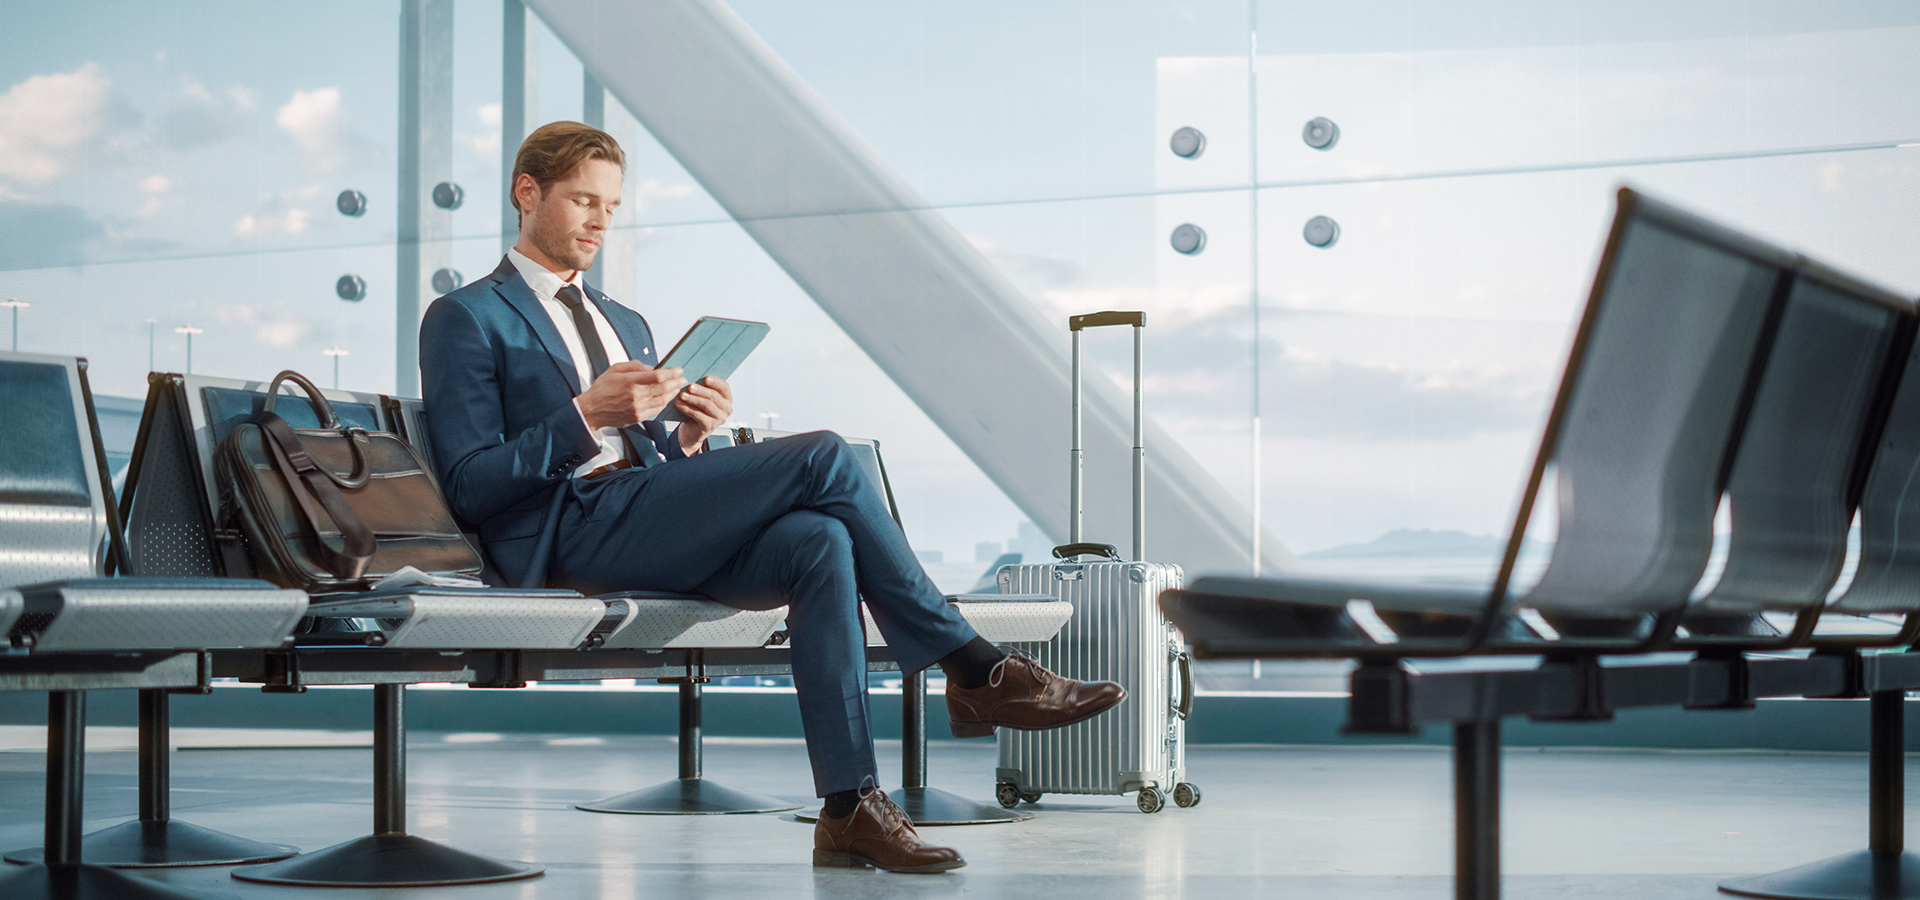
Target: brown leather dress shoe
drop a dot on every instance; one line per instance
(878, 834)
(1022, 694)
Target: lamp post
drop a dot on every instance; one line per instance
(336, 353)
(16, 304)
(189, 331)
(770, 416)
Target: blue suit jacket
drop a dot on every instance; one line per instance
(499, 386)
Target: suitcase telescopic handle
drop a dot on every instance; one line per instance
(1076, 324)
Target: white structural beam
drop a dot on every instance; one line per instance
(926, 305)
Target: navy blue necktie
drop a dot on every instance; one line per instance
(643, 452)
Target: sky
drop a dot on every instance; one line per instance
(178, 163)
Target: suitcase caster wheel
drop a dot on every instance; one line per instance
(1030, 796)
(1008, 794)
(1150, 800)
(1185, 795)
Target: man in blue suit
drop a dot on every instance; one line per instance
(540, 392)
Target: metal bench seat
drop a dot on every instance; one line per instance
(155, 614)
(455, 618)
(656, 620)
(1000, 618)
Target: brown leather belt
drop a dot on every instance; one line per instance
(609, 468)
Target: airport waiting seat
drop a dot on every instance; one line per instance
(174, 527)
(658, 620)
(1706, 364)
(70, 627)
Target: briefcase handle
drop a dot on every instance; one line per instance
(329, 420)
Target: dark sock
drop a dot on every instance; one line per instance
(840, 804)
(971, 665)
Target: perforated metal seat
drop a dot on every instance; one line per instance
(1662, 375)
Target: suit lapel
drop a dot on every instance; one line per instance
(513, 289)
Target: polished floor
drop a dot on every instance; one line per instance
(1276, 822)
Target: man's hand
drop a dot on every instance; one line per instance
(627, 393)
(707, 405)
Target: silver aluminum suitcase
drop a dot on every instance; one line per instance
(1116, 634)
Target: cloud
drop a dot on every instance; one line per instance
(36, 235)
(654, 189)
(487, 143)
(202, 118)
(319, 125)
(1199, 368)
(156, 184)
(280, 212)
(46, 120)
(1032, 269)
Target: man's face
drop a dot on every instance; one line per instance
(569, 220)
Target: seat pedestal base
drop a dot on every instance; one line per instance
(688, 797)
(169, 842)
(1861, 875)
(387, 860)
(89, 882)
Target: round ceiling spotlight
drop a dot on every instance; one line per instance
(445, 280)
(351, 203)
(1320, 133)
(448, 195)
(1188, 143)
(1321, 231)
(351, 287)
(1189, 239)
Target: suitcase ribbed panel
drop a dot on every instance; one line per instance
(1116, 634)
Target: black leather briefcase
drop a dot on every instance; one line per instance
(333, 508)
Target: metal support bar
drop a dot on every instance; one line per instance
(66, 766)
(1476, 810)
(517, 60)
(155, 764)
(1887, 773)
(913, 731)
(690, 737)
(389, 759)
(426, 158)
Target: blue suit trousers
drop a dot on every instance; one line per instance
(794, 522)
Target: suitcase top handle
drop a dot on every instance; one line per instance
(1110, 317)
(1069, 551)
(328, 419)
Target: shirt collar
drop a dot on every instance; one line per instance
(544, 283)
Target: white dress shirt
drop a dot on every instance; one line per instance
(545, 285)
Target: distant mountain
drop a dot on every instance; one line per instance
(1422, 542)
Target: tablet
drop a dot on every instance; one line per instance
(712, 347)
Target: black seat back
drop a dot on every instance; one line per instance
(171, 499)
(1642, 432)
(53, 508)
(1840, 351)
